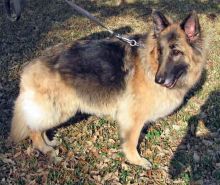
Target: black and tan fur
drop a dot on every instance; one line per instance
(133, 85)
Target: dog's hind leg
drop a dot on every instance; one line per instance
(27, 113)
(19, 128)
(39, 142)
(52, 143)
(35, 113)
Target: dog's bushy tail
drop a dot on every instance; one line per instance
(19, 128)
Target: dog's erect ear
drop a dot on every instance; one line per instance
(160, 22)
(191, 26)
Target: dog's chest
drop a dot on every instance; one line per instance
(163, 105)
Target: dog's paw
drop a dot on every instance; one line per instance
(140, 161)
(145, 163)
(54, 156)
(52, 143)
(45, 149)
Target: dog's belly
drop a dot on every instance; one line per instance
(99, 109)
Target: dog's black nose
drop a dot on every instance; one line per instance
(160, 79)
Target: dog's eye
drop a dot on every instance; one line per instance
(176, 52)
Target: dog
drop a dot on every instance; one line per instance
(134, 85)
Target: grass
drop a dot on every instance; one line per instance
(90, 150)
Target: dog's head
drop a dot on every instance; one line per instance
(175, 45)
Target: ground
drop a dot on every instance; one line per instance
(184, 148)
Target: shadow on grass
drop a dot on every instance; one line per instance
(197, 155)
(76, 119)
(144, 8)
(179, 8)
(105, 34)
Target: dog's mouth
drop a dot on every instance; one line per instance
(171, 82)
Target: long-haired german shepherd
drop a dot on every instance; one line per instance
(132, 84)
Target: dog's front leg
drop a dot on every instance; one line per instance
(130, 133)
